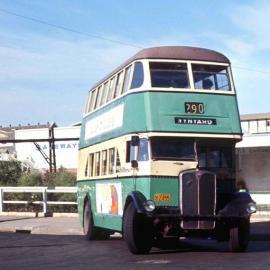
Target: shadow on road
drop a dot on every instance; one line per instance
(260, 231)
(14, 219)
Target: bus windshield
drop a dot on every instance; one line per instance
(215, 156)
(165, 74)
(172, 148)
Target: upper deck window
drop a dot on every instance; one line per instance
(211, 77)
(165, 74)
(93, 100)
(104, 93)
(111, 89)
(119, 84)
(126, 79)
(98, 97)
(138, 77)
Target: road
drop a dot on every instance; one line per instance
(27, 251)
(51, 251)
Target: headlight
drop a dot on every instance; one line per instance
(251, 208)
(149, 206)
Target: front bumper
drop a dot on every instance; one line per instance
(174, 213)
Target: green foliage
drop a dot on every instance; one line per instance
(36, 178)
(11, 175)
(10, 172)
(33, 178)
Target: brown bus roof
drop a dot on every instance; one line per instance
(175, 53)
(180, 53)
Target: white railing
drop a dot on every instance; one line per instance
(43, 190)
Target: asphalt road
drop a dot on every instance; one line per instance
(32, 251)
(45, 248)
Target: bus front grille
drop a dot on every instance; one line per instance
(197, 198)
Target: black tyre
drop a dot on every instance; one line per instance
(137, 231)
(239, 236)
(90, 231)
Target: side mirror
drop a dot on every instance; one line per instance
(135, 140)
(134, 164)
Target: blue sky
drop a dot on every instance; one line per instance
(45, 72)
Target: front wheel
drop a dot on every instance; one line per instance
(239, 236)
(137, 231)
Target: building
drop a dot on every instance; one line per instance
(37, 154)
(253, 156)
(7, 150)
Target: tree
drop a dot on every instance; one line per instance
(10, 172)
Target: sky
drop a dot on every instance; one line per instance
(53, 51)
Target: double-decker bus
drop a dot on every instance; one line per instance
(157, 152)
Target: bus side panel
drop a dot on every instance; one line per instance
(107, 201)
(164, 191)
(86, 191)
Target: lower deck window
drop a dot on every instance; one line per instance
(97, 163)
(111, 160)
(104, 162)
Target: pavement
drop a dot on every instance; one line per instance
(27, 223)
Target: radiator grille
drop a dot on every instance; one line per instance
(198, 198)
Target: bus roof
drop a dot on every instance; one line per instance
(172, 53)
(180, 53)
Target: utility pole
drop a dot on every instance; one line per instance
(52, 157)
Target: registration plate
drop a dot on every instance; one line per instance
(162, 197)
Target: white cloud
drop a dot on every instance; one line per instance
(254, 19)
(47, 79)
(247, 44)
(57, 60)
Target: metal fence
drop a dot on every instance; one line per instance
(32, 190)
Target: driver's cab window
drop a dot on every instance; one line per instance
(143, 153)
(143, 150)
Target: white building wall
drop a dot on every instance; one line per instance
(66, 151)
(253, 161)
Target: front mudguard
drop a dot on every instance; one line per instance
(241, 206)
(138, 199)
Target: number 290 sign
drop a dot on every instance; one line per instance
(194, 107)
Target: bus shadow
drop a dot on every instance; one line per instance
(259, 242)
(260, 231)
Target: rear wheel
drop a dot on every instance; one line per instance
(90, 231)
(239, 236)
(137, 231)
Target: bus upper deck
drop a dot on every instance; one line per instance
(165, 89)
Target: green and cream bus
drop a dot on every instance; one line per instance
(157, 152)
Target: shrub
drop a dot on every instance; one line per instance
(37, 178)
(10, 172)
